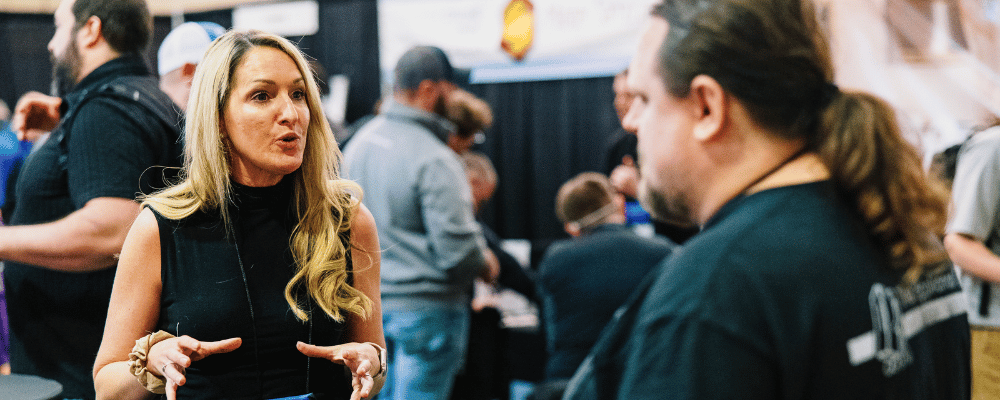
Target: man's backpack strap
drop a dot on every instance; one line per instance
(128, 91)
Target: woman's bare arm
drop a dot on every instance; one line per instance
(133, 311)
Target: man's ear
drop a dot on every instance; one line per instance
(453, 142)
(425, 94)
(426, 88)
(713, 104)
(187, 72)
(572, 228)
(619, 200)
(90, 33)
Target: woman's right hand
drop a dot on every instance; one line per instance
(171, 357)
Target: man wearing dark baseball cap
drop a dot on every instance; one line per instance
(417, 191)
(422, 63)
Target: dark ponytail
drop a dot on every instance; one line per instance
(877, 170)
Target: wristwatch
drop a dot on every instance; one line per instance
(381, 359)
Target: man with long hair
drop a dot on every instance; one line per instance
(818, 273)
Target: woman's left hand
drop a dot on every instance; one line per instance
(360, 358)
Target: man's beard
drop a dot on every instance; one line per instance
(672, 208)
(65, 70)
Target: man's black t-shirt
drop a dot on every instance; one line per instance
(783, 296)
(57, 318)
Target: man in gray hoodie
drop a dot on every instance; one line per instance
(416, 188)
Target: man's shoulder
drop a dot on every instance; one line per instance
(97, 114)
(778, 215)
(623, 245)
(561, 248)
(144, 90)
(389, 132)
(985, 141)
(765, 231)
(625, 234)
(794, 235)
(135, 96)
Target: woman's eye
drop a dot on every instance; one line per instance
(259, 96)
(299, 94)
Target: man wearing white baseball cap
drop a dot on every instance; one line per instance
(180, 53)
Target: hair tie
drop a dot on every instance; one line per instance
(137, 362)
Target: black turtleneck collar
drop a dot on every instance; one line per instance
(276, 196)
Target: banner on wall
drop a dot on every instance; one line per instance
(516, 40)
(292, 18)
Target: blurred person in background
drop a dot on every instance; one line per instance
(418, 194)
(973, 243)
(471, 115)
(487, 373)
(13, 152)
(9, 147)
(584, 279)
(179, 55)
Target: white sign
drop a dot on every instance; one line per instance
(571, 38)
(296, 18)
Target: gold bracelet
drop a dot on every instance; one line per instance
(137, 362)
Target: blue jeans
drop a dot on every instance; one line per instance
(426, 345)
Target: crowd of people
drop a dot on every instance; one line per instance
(226, 246)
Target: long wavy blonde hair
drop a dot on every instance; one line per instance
(324, 203)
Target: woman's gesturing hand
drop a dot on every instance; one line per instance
(171, 357)
(361, 358)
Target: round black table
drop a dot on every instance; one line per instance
(28, 387)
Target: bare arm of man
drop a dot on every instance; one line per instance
(973, 256)
(89, 239)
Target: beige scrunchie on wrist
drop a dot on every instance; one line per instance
(137, 362)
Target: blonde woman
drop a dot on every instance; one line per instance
(259, 272)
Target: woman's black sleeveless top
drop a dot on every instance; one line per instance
(218, 286)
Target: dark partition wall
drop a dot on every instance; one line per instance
(221, 17)
(347, 44)
(24, 59)
(161, 27)
(543, 134)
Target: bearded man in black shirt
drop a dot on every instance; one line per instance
(76, 192)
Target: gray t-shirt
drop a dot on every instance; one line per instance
(975, 210)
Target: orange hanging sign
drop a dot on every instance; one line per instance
(518, 27)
